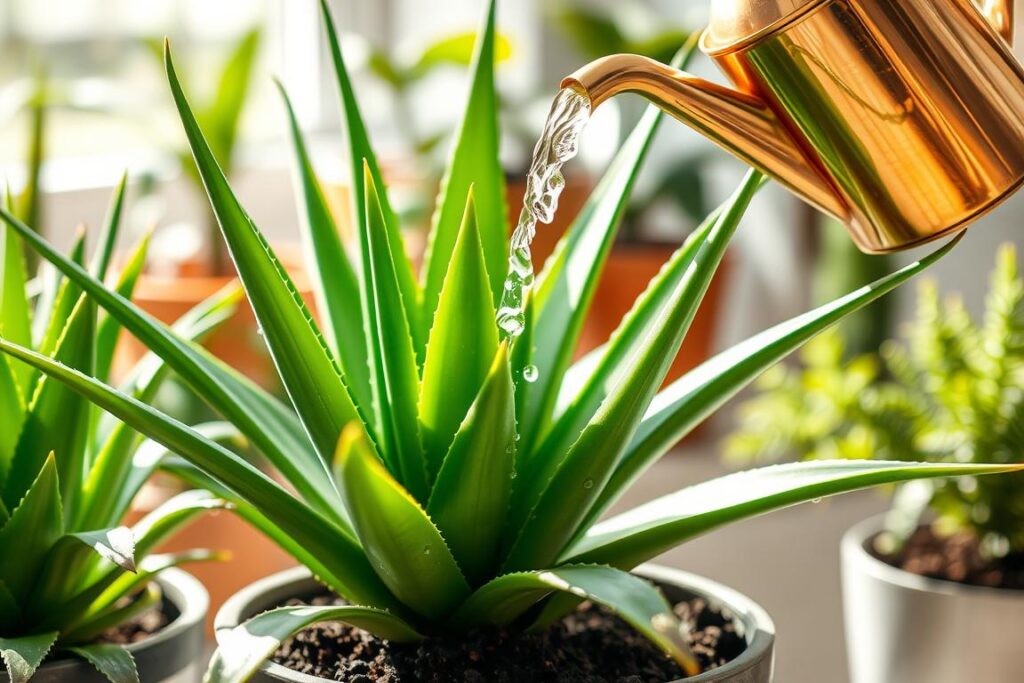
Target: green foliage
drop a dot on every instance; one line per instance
(220, 116)
(949, 391)
(67, 477)
(434, 488)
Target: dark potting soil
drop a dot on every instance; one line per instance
(590, 646)
(142, 626)
(957, 558)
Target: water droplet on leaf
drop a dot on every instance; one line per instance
(530, 373)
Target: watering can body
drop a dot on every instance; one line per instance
(902, 118)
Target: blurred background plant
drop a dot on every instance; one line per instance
(221, 114)
(949, 391)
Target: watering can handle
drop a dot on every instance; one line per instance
(999, 14)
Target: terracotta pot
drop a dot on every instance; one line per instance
(754, 665)
(172, 655)
(236, 342)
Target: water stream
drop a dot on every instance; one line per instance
(544, 183)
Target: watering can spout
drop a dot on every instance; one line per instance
(999, 14)
(739, 122)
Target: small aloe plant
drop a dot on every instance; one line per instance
(441, 478)
(68, 474)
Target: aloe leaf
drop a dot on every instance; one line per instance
(639, 603)
(392, 357)
(61, 575)
(646, 314)
(15, 315)
(462, 344)
(60, 309)
(113, 467)
(689, 400)
(109, 328)
(35, 525)
(12, 407)
(360, 152)
(566, 286)
(189, 473)
(57, 419)
(558, 491)
(409, 553)
(100, 597)
(648, 530)
(347, 570)
(111, 228)
(474, 164)
(10, 610)
(22, 656)
(272, 428)
(113, 661)
(523, 352)
(470, 498)
(116, 615)
(334, 280)
(244, 648)
(304, 363)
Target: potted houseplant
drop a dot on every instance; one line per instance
(78, 592)
(947, 555)
(434, 486)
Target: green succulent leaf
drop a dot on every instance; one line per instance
(10, 610)
(559, 490)
(12, 407)
(360, 152)
(689, 400)
(113, 661)
(15, 315)
(348, 571)
(22, 656)
(36, 523)
(475, 163)
(304, 363)
(52, 316)
(648, 530)
(57, 419)
(565, 288)
(403, 544)
(508, 597)
(462, 344)
(458, 50)
(470, 499)
(392, 357)
(244, 648)
(111, 229)
(334, 280)
(109, 328)
(274, 429)
(223, 115)
(119, 613)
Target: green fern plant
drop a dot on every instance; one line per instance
(68, 571)
(950, 391)
(441, 478)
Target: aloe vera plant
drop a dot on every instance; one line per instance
(68, 473)
(442, 478)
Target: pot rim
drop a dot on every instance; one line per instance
(854, 551)
(758, 627)
(191, 600)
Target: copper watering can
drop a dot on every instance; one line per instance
(902, 118)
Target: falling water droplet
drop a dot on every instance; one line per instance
(513, 474)
(518, 436)
(530, 373)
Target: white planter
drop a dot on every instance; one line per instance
(905, 628)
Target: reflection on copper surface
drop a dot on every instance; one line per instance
(904, 118)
